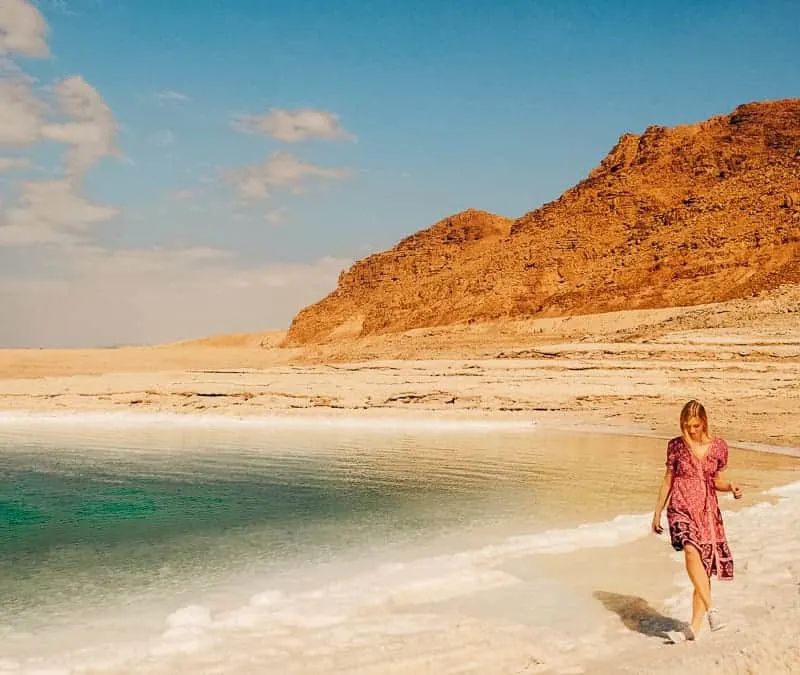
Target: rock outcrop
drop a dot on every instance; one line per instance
(675, 216)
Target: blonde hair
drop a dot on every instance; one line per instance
(694, 409)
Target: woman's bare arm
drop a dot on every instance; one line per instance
(663, 495)
(722, 484)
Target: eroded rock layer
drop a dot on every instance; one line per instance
(675, 216)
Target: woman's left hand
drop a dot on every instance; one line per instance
(736, 490)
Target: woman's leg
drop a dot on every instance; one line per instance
(701, 599)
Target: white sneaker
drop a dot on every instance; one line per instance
(715, 621)
(677, 636)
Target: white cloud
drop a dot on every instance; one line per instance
(157, 261)
(91, 130)
(293, 125)
(15, 163)
(49, 212)
(102, 297)
(89, 127)
(75, 293)
(276, 217)
(23, 29)
(281, 170)
(20, 112)
(171, 95)
(55, 211)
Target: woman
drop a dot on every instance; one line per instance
(695, 473)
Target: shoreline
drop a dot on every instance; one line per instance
(624, 374)
(624, 600)
(367, 421)
(275, 419)
(630, 370)
(615, 591)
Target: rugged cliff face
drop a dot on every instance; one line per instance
(674, 216)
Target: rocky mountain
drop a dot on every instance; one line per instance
(694, 214)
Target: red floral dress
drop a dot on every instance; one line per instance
(693, 511)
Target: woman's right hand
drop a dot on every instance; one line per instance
(656, 524)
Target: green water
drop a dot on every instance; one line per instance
(113, 540)
(80, 524)
(93, 518)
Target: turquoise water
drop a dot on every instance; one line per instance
(112, 535)
(82, 520)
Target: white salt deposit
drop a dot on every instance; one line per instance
(762, 603)
(455, 612)
(394, 619)
(386, 424)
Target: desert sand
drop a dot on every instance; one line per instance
(625, 371)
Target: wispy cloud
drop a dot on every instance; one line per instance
(20, 112)
(292, 126)
(276, 217)
(90, 131)
(162, 139)
(72, 291)
(171, 95)
(72, 113)
(15, 163)
(63, 6)
(86, 126)
(280, 171)
(102, 297)
(49, 212)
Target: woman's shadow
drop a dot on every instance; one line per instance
(637, 615)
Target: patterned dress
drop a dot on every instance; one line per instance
(693, 511)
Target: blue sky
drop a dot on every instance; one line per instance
(211, 210)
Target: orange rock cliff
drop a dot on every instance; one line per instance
(675, 216)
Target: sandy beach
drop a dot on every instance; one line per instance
(627, 373)
(624, 370)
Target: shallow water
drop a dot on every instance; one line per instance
(115, 535)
